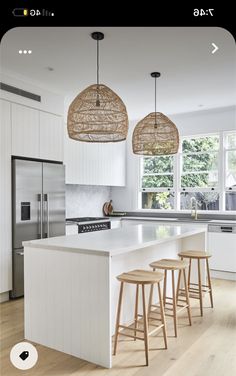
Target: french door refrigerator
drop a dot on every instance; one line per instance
(38, 205)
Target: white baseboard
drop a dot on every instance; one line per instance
(223, 275)
(4, 297)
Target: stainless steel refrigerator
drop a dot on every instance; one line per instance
(38, 205)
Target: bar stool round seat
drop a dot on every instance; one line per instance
(196, 289)
(170, 264)
(141, 324)
(173, 305)
(139, 276)
(194, 254)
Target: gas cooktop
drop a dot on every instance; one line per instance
(86, 219)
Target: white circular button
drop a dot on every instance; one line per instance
(24, 355)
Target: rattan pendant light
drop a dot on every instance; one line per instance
(156, 134)
(97, 114)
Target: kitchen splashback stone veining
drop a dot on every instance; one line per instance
(86, 200)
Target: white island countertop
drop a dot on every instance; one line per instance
(117, 241)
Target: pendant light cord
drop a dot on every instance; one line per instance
(155, 125)
(97, 62)
(97, 100)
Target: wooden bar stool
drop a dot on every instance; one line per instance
(173, 304)
(196, 289)
(140, 278)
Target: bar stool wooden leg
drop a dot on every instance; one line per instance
(200, 285)
(178, 286)
(209, 282)
(174, 302)
(150, 300)
(145, 325)
(164, 288)
(118, 316)
(136, 310)
(162, 315)
(189, 272)
(187, 297)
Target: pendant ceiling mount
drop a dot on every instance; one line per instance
(155, 74)
(97, 35)
(97, 114)
(155, 134)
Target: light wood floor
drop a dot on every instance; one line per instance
(208, 348)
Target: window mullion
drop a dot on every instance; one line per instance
(222, 173)
(177, 182)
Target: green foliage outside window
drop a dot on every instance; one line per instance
(206, 164)
(210, 143)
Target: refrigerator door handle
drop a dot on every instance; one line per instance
(20, 253)
(47, 224)
(40, 217)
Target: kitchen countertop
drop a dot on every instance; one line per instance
(185, 220)
(117, 241)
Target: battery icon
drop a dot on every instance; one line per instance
(20, 12)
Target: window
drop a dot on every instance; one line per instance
(157, 182)
(205, 169)
(230, 171)
(200, 172)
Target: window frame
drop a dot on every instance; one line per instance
(177, 189)
(225, 188)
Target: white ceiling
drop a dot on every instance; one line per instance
(192, 77)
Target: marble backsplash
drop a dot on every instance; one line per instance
(86, 200)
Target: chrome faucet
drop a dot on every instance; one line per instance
(194, 207)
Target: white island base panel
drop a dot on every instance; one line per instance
(71, 297)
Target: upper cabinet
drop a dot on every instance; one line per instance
(51, 136)
(25, 131)
(95, 163)
(36, 134)
(39, 134)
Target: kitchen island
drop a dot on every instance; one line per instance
(71, 290)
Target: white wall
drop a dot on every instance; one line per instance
(209, 121)
(50, 102)
(220, 119)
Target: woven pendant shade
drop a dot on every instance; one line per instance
(97, 114)
(159, 139)
(156, 134)
(88, 122)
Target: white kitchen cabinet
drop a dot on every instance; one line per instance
(5, 198)
(25, 131)
(222, 248)
(51, 136)
(95, 163)
(71, 229)
(36, 134)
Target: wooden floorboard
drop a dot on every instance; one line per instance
(208, 348)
